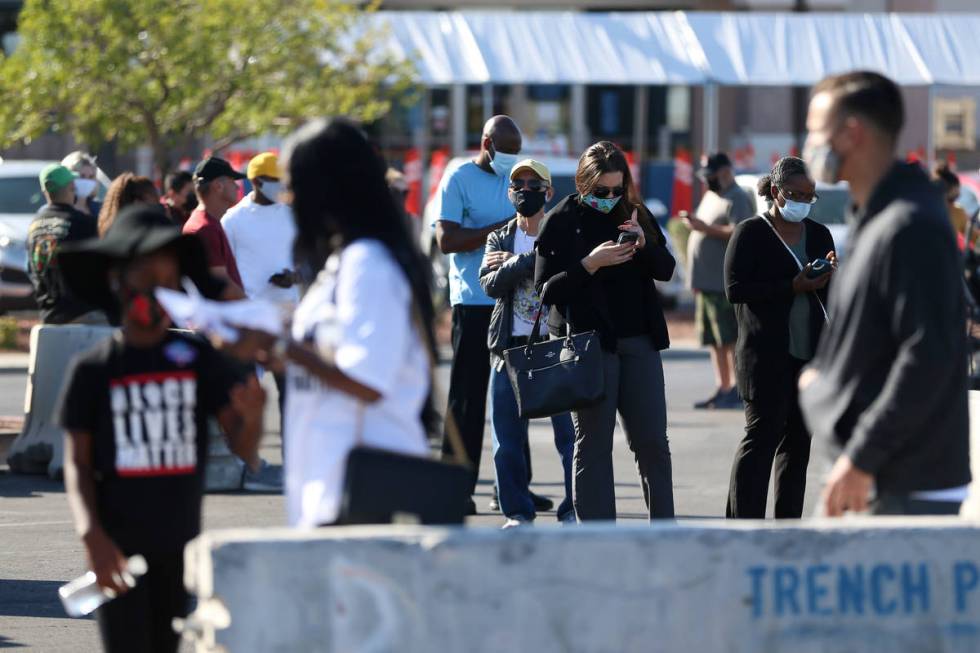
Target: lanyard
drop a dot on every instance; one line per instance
(799, 264)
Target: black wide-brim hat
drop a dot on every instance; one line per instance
(138, 230)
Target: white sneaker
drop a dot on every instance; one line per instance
(516, 522)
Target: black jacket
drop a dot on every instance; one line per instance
(579, 297)
(892, 364)
(499, 284)
(53, 225)
(759, 275)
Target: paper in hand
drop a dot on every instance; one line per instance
(194, 312)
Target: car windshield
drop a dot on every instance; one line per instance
(564, 186)
(831, 208)
(20, 195)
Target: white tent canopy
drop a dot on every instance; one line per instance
(690, 48)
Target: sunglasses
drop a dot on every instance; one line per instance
(603, 192)
(799, 197)
(533, 185)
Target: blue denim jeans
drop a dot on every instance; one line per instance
(509, 435)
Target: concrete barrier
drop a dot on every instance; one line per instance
(857, 585)
(39, 448)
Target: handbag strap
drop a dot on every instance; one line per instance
(799, 264)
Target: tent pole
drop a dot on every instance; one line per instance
(487, 101)
(931, 131)
(457, 110)
(580, 131)
(641, 101)
(710, 117)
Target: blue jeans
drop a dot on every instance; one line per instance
(509, 435)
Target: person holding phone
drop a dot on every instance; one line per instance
(595, 277)
(777, 269)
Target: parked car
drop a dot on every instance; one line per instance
(20, 198)
(563, 181)
(830, 210)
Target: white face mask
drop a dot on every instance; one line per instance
(85, 187)
(270, 190)
(794, 211)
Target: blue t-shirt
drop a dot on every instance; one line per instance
(474, 199)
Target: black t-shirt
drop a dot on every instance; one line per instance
(53, 225)
(622, 285)
(147, 411)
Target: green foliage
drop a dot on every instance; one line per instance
(8, 333)
(159, 72)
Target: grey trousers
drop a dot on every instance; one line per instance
(635, 389)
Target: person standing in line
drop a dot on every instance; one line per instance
(178, 196)
(592, 282)
(779, 304)
(215, 183)
(887, 388)
(261, 232)
(136, 488)
(723, 206)
(87, 181)
(474, 204)
(507, 275)
(56, 223)
(125, 190)
(949, 185)
(358, 356)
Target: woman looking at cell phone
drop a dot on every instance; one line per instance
(598, 253)
(777, 269)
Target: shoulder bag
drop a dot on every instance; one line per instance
(551, 377)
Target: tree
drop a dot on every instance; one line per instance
(162, 72)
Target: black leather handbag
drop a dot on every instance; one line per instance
(384, 487)
(551, 377)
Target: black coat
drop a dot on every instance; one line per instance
(575, 295)
(759, 276)
(891, 385)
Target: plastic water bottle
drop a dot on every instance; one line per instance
(83, 595)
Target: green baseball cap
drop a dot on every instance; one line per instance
(56, 177)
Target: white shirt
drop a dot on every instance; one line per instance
(526, 299)
(261, 237)
(358, 313)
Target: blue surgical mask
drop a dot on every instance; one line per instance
(794, 211)
(502, 163)
(601, 204)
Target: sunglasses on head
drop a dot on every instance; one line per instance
(533, 185)
(603, 192)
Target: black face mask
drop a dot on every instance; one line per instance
(527, 202)
(713, 184)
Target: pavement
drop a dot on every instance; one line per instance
(39, 550)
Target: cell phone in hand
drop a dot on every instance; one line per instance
(627, 237)
(818, 268)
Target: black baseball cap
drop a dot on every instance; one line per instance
(213, 167)
(713, 163)
(138, 229)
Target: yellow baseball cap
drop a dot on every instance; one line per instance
(264, 165)
(534, 166)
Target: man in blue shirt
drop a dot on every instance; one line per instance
(474, 204)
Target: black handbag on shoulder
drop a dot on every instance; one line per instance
(552, 377)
